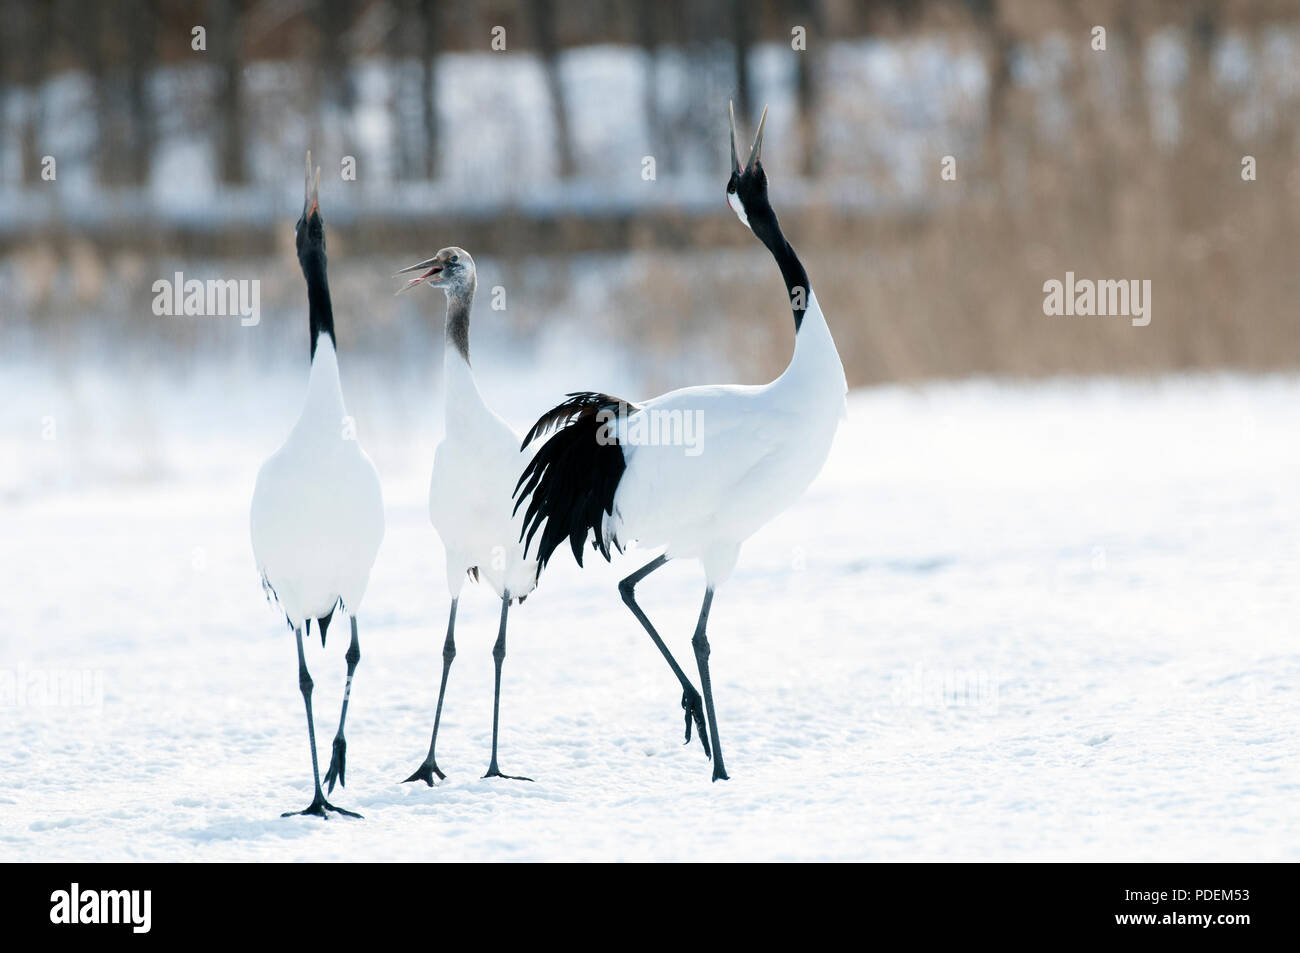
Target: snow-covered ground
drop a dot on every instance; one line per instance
(1049, 621)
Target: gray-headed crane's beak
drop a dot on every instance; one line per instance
(433, 265)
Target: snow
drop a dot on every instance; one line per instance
(1008, 622)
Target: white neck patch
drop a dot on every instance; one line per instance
(733, 199)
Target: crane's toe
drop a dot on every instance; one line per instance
(321, 808)
(693, 706)
(425, 773)
(494, 772)
(338, 764)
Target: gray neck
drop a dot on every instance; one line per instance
(459, 302)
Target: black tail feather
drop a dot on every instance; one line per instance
(573, 477)
(323, 623)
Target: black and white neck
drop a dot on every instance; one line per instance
(747, 197)
(763, 223)
(309, 238)
(815, 365)
(320, 312)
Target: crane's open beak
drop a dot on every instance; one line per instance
(754, 150)
(433, 265)
(735, 160)
(311, 191)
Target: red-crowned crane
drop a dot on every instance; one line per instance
(317, 517)
(756, 450)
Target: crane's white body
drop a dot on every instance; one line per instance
(759, 447)
(317, 517)
(475, 469)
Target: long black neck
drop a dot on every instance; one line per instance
(459, 302)
(764, 224)
(320, 312)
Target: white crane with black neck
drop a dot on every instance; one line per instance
(474, 472)
(317, 517)
(758, 448)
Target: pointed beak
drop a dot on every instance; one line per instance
(755, 150)
(758, 141)
(735, 160)
(433, 266)
(311, 191)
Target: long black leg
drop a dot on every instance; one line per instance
(700, 642)
(691, 703)
(499, 656)
(429, 768)
(338, 760)
(319, 805)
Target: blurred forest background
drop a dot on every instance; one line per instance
(1122, 163)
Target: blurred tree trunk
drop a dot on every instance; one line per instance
(405, 40)
(710, 76)
(227, 37)
(1204, 143)
(336, 59)
(742, 38)
(663, 24)
(430, 35)
(811, 17)
(543, 24)
(32, 28)
(416, 38)
(1118, 148)
(96, 68)
(648, 39)
(121, 55)
(1201, 114)
(999, 45)
(141, 52)
(331, 89)
(109, 101)
(1134, 106)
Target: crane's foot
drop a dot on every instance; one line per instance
(494, 772)
(320, 808)
(693, 706)
(338, 764)
(425, 773)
